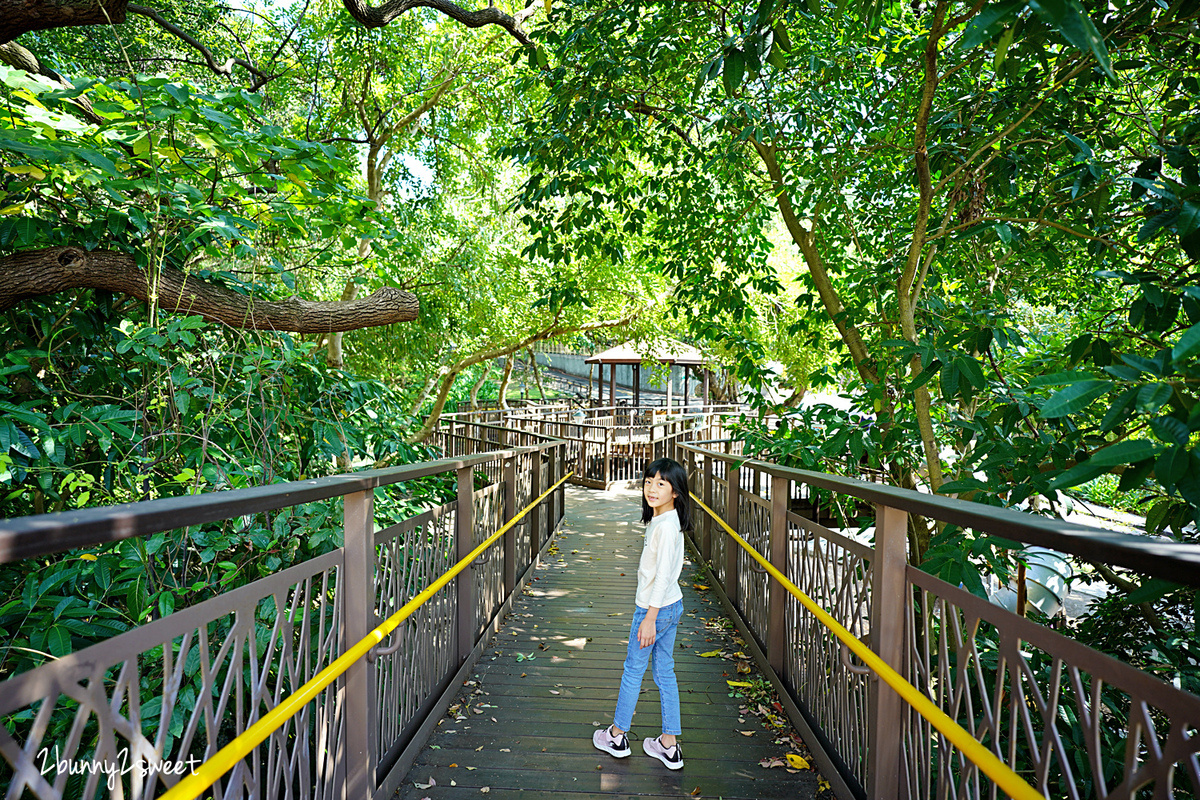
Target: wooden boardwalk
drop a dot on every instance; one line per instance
(524, 727)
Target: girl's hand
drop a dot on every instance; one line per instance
(646, 633)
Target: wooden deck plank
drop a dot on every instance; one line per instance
(526, 725)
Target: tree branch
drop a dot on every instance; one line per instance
(377, 17)
(30, 273)
(17, 56)
(225, 69)
(22, 16)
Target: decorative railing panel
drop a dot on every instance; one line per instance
(1077, 723)
(488, 575)
(409, 557)
(754, 519)
(1072, 722)
(835, 572)
(217, 671)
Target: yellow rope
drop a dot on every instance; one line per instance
(1004, 777)
(207, 773)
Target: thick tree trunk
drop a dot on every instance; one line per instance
(36, 272)
(504, 379)
(23, 16)
(483, 376)
(537, 375)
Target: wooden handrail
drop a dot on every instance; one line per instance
(28, 537)
(1173, 561)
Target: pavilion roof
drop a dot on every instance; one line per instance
(668, 352)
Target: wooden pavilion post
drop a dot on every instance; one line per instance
(668, 388)
(686, 374)
(707, 396)
(637, 385)
(612, 386)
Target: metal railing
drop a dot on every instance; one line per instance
(604, 445)
(1048, 707)
(139, 710)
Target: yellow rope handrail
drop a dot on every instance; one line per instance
(1003, 775)
(207, 773)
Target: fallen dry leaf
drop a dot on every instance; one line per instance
(486, 789)
(700, 586)
(505, 750)
(453, 765)
(432, 782)
(797, 762)
(710, 654)
(477, 749)
(469, 769)
(746, 733)
(554, 691)
(696, 792)
(771, 762)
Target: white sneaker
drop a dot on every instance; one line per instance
(615, 746)
(671, 756)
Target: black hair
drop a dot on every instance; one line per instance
(673, 473)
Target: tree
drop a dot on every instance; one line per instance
(918, 170)
(25, 16)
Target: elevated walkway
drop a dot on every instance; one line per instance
(523, 726)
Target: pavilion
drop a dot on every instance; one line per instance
(671, 353)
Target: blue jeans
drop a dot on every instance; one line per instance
(636, 660)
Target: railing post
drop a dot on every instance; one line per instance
(607, 456)
(552, 469)
(888, 605)
(732, 495)
(776, 594)
(707, 526)
(535, 489)
(464, 535)
(510, 538)
(358, 619)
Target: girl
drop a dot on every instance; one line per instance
(667, 507)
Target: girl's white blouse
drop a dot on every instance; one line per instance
(661, 562)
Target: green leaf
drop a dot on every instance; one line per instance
(1080, 473)
(1073, 398)
(925, 375)
(1187, 346)
(98, 160)
(988, 22)
(1153, 589)
(1069, 18)
(1170, 430)
(58, 639)
(1060, 378)
(734, 70)
(1171, 466)
(973, 372)
(1135, 475)
(1188, 226)
(1120, 410)
(1152, 396)
(1129, 451)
